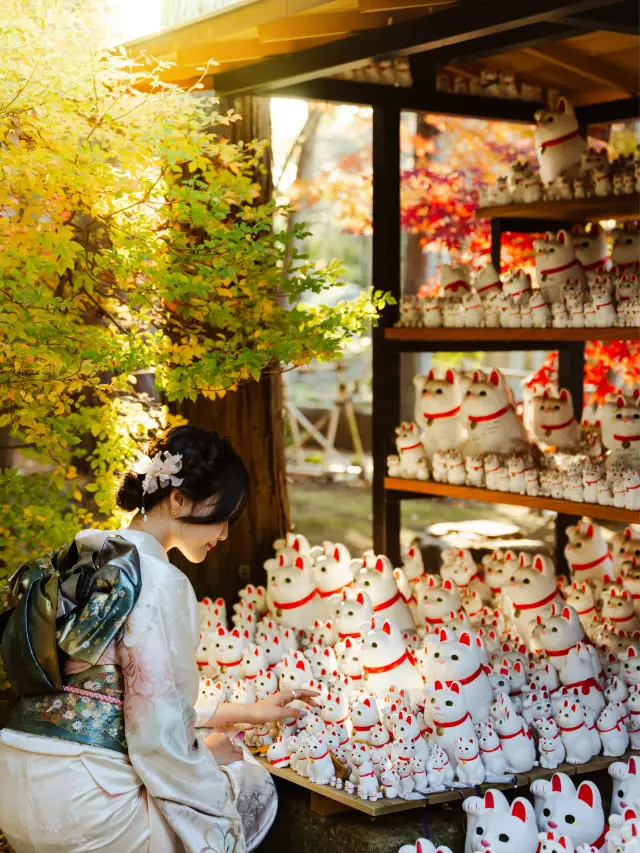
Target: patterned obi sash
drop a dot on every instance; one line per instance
(88, 710)
(60, 616)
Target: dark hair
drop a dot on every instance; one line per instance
(211, 472)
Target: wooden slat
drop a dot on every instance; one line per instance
(594, 68)
(370, 6)
(452, 336)
(619, 207)
(319, 26)
(470, 493)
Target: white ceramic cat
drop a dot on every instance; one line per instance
(559, 142)
(591, 249)
(381, 586)
(559, 633)
(437, 410)
(550, 746)
(226, 652)
(573, 731)
(431, 313)
(452, 660)
(577, 814)
(626, 785)
(517, 744)
(436, 601)
(530, 595)
(390, 783)
(613, 733)
(587, 553)
(387, 661)
(504, 831)
(447, 713)
(295, 597)
(532, 190)
(621, 432)
(410, 449)
(554, 421)
(487, 282)
(555, 263)
(423, 845)
(625, 254)
(454, 280)
(470, 769)
(473, 310)
(491, 751)
(439, 769)
(493, 426)
(354, 611)
(332, 574)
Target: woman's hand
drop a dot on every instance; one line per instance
(275, 708)
(223, 750)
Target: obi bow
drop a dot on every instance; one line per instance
(70, 603)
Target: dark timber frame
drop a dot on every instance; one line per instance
(483, 29)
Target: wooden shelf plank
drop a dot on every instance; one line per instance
(469, 493)
(341, 801)
(619, 207)
(518, 336)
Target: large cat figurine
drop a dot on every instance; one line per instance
(454, 281)
(555, 263)
(387, 662)
(381, 586)
(512, 831)
(621, 432)
(530, 595)
(493, 426)
(625, 254)
(559, 142)
(451, 659)
(578, 814)
(587, 553)
(554, 422)
(437, 411)
(591, 249)
(294, 594)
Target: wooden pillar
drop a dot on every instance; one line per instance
(386, 361)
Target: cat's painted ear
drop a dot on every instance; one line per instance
(449, 377)
(494, 378)
(519, 811)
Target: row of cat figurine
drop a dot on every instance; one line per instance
(596, 310)
(493, 83)
(582, 480)
(597, 178)
(474, 413)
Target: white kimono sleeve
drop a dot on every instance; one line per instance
(157, 656)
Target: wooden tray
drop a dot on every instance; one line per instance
(326, 800)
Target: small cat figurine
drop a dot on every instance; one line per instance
(555, 262)
(410, 449)
(437, 410)
(559, 142)
(621, 432)
(470, 769)
(492, 424)
(553, 420)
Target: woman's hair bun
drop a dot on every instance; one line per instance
(212, 474)
(129, 495)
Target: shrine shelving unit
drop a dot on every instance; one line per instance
(393, 341)
(585, 49)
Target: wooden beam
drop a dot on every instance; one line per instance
(622, 18)
(590, 67)
(371, 6)
(605, 113)
(315, 26)
(446, 28)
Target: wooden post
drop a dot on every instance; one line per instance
(386, 362)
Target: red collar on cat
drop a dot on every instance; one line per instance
(560, 139)
(375, 670)
(411, 447)
(386, 604)
(279, 760)
(436, 415)
(481, 418)
(560, 269)
(455, 286)
(535, 604)
(334, 591)
(459, 722)
(583, 566)
(293, 604)
(466, 680)
(627, 437)
(489, 286)
(557, 426)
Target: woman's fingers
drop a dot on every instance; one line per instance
(307, 696)
(287, 713)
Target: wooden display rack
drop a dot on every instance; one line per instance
(326, 800)
(620, 207)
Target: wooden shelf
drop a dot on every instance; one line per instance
(618, 207)
(327, 800)
(469, 493)
(427, 335)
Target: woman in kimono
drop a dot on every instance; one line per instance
(104, 749)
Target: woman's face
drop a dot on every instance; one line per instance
(193, 540)
(196, 540)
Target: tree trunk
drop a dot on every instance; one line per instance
(252, 417)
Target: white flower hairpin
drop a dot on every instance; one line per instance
(158, 472)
